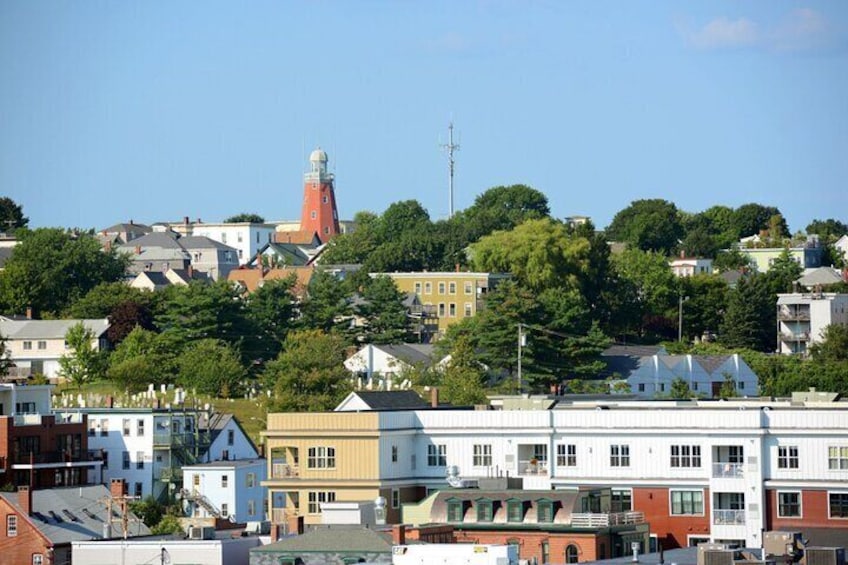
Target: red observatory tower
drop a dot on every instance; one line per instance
(319, 212)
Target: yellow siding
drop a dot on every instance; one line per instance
(417, 283)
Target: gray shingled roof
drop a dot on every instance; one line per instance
(391, 399)
(333, 539)
(71, 514)
(48, 329)
(823, 276)
(203, 242)
(412, 353)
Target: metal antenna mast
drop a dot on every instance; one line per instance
(450, 147)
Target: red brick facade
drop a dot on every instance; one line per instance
(49, 442)
(319, 214)
(590, 546)
(671, 531)
(814, 511)
(27, 541)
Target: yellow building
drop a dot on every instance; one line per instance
(449, 295)
(338, 456)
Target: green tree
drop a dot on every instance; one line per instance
(84, 363)
(463, 380)
(833, 345)
(327, 304)
(704, 306)
(649, 291)
(732, 260)
(680, 389)
(202, 311)
(649, 225)
(309, 374)
(728, 387)
(830, 229)
(143, 357)
(50, 269)
(5, 362)
(211, 366)
(783, 273)
(539, 253)
(751, 219)
(103, 298)
(504, 208)
(272, 310)
(407, 216)
(11, 216)
(168, 525)
(384, 313)
(245, 217)
(354, 247)
(149, 510)
(749, 321)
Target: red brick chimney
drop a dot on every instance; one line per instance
(29, 312)
(434, 397)
(25, 500)
(190, 272)
(399, 534)
(117, 488)
(110, 401)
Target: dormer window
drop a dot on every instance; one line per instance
(456, 510)
(485, 510)
(514, 510)
(544, 511)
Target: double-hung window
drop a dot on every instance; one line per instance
(437, 455)
(620, 455)
(567, 455)
(687, 502)
(321, 458)
(482, 455)
(685, 455)
(788, 504)
(787, 457)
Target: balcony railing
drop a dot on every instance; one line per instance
(531, 467)
(800, 336)
(790, 315)
(284, 471)
(600, 520)
(726, 470)
(282, 515)
(53, 457)
(728, 517)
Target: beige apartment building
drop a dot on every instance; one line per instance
(338, 456)
(450, 296)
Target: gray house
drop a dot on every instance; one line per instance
(162, 251)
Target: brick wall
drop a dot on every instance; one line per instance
(814, 512)
(530, 543)
(671, 531)
(28, 541)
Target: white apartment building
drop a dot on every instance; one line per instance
(697, 470)
(246, 237)
(802, 317)
(226, 489)
(147, 447)
(691, 266)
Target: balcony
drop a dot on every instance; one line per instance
(800, 336)
(284, 471)
(598, 520)
(729, 517)
(532, 467)
(727, 470)
(53, 457)
(789, 315)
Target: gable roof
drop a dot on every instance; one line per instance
(217, 423)
(48, 329)
(78, 513)
(624, 359)
(251, 279)
(300, 237)
(387, 399)
(821, 276)
(333, 539)
(412, 353)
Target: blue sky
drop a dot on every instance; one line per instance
(158, 110)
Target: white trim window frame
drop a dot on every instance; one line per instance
(785, 503)
(695, 498)
(843, 505)
(787, 457)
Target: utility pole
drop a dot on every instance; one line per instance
(521, 338)
(450, 147)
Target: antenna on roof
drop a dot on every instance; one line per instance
(450, 147)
